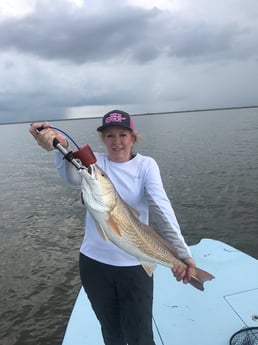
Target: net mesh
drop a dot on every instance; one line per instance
(246, 336)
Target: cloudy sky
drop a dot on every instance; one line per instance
(73, 58)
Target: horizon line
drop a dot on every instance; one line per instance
(138, 114)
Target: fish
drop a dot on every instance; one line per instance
(119, 223)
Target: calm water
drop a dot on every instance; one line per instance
(209, 165)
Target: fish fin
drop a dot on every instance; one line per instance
(199, 277)
(102, 233)
(148, 267)
(113, 226)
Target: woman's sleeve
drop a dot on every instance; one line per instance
(68, 173)
(161, 211)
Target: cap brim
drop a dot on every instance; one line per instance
(102, 128)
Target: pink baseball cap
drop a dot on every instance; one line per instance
(116, 118)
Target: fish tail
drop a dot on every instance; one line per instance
(199, 277)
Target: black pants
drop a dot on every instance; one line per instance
(121, 298)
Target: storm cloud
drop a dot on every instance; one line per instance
(60, 55)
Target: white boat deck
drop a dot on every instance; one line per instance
(184, 315)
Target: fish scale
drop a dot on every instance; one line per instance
(119, 223)
(150, 249)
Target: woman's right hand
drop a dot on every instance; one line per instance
(45, 136)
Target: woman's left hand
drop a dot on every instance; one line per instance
(183, 274)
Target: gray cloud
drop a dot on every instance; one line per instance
(62, 56)
(127, 33)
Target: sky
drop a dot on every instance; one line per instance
(81, 58)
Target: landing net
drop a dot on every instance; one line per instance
(246, 336)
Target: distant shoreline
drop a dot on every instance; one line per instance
(195, 110)
(139, 114)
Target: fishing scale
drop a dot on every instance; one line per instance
(83, 153)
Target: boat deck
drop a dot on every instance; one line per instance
(184, 315)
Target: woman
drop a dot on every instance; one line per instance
(120, 291)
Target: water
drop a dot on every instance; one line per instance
(209, 165)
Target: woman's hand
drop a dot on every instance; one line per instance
(183, 274)
(45, 136)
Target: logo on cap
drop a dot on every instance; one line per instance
(114, 117)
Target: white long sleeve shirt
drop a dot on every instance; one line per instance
(139, 184)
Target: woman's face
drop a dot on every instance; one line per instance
(119, 142)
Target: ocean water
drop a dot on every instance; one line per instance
(209, 165)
